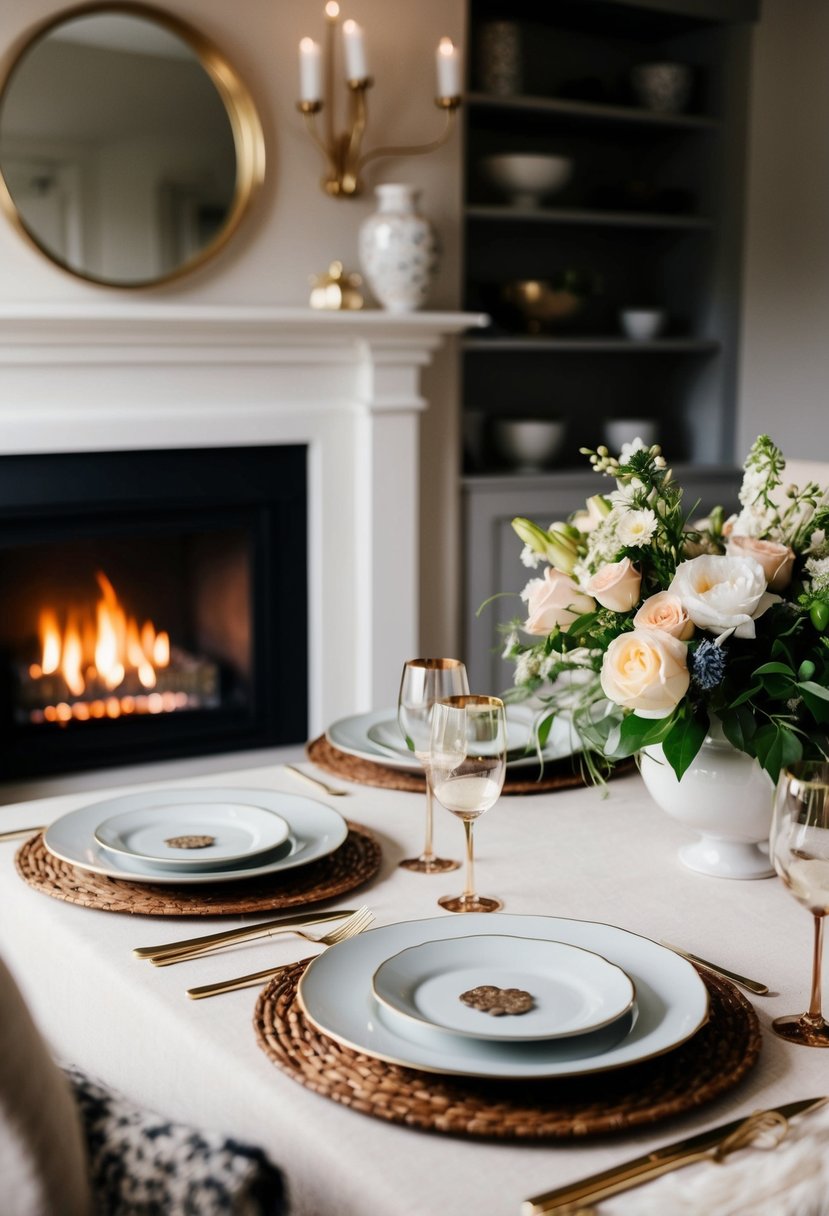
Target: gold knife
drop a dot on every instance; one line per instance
(663, 1160)
(246, 933)
(18, 833)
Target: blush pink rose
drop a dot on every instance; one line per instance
(646, 670)
(664, 611)
(777, 560)
(554, 600)
(616, 586)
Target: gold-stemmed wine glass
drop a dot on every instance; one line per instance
(423, 682)
(468, 763)
(799, 847)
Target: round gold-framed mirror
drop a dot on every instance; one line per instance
(129, 147)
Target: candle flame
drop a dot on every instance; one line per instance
(332, 10)
(446, 46)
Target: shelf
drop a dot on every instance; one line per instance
(608, 345)
(572, 216)
(581, 476)
(588, 112)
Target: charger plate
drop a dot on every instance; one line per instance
(557, 775)
(355, 862)
(713, 1061)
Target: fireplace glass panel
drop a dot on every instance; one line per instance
(151, 622)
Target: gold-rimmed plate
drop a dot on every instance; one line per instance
(672, 1001)
(566, 989)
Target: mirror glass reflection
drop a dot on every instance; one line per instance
(117, 148)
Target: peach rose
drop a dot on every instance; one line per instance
(777, 560)
(554, 600)
(664, 611)
(646, 670)
(616, 586)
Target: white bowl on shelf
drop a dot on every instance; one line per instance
(528, 445)
(619, 431)
(527, 178)
(642, 324)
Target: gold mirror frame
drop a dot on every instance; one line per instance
(248, 138)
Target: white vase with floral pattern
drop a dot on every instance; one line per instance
(398, 249)
(725, 797)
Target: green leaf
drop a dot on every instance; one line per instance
(683, 742)
(636, 733)
(816, 699)
(775, 669)
(739, 727)
(775, 746)
(816, 690)
(747, 695)
(544, 728)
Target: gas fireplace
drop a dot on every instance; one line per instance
(154, 605)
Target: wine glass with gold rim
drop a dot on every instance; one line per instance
(423, 682)
(468, 763)
(800, 851)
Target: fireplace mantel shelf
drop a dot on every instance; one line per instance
(183, 328)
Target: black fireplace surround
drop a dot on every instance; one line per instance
(210, 544)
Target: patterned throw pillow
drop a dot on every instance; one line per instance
(142, 1164)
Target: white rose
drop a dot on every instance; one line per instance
(554, 600)
(722, 594)
(664, 611)
(616, 585)
(646, 670)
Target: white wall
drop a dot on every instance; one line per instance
(295, 230)
(784, 379)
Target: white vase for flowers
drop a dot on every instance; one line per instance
(725, 797)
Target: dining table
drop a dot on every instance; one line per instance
(602, 854)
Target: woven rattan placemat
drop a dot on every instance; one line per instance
(352, 864)
(713, 1061)
(558, 775)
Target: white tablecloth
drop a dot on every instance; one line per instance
(571, 853)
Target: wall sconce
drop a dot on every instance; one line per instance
(342, 150)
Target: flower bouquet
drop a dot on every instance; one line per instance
(649, 627)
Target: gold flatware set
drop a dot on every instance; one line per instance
(349, 928)
(194, 947)
(197, 947)
(712, 1145)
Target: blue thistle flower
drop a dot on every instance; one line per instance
(708, 663)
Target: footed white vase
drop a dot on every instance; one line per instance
(398, 249)
(725, 797)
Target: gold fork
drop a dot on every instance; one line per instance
(355, 924)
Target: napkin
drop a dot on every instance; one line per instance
(790, 1180)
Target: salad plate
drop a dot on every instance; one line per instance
(335, 993)
(549, 989)
(314, 831)
(375, 736)
(194, 835)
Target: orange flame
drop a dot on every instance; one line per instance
(104, 644)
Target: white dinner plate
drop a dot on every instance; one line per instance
(315, 831)
(371, 736)
(573, 990)
(233, 833)
(671, 1001)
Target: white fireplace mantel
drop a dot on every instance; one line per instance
(347, 385)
